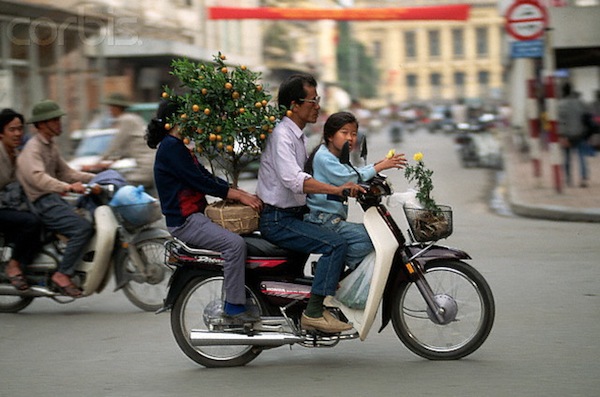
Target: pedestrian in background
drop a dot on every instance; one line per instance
(571, 130)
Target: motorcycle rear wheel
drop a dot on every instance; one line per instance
(188, 313)
(146, 291)
(469, 305)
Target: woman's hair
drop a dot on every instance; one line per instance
(334, 123)
(8, 115)
(156, 131)
(292, 89)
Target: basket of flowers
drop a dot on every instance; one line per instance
(429, 221)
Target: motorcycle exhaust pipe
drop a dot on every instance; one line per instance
(34, 291)
(207, 338)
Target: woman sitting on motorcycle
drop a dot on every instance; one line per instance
(183, 184)
(17, 223)
(324, 164)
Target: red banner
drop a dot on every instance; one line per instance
(456, 12)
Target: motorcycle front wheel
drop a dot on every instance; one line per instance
(468, 312)
(189, 312)
(146, 289)
(14, 303)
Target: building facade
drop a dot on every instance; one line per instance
(437, 61)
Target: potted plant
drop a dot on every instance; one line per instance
(431, 221)
(225, 115)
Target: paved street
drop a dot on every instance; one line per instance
(544, 275)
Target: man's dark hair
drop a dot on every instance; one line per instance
(8, 115)
(292, 89)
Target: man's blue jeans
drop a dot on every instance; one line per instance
(579, 146)
(286, 228)
(59, 216)
(355, 234)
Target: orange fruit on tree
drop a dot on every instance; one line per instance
(212, 137)
(228, 86)
(204, 91)
(229, 148)
(167, 126)
(289, 113)
(219, 138)
(207, 111)
(195, 108)
(258, 105)
(224, 70)
(259, 87)
(235, 95)
(165, 95)
(186, 140)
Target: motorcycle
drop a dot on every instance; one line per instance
(440, 307)
(124, 238)
(477, 146)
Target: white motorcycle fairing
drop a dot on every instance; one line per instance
(386, 245)
(102, 246)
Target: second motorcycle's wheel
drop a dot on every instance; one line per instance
(468, 312)
(190, 311)
(13, 303)
(146, 289)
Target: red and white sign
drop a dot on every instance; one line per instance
(526, 20)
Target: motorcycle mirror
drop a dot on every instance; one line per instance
(363, 149)
(345, 154)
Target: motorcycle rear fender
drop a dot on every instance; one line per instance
(182, 275)
(399, 274)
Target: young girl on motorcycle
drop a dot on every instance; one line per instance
(183, 184)
(325, 166)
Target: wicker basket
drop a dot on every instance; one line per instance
(133, 216)
(429, 225)
(235, 217)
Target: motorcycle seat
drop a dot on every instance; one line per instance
(259, 247)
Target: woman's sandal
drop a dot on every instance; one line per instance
(19, 282)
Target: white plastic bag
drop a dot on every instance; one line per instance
(354, 289)
(408, 198)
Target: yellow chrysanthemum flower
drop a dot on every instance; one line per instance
(418, 156)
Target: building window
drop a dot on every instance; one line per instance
(483, 78)
(411, 80)
(481, 35)
(459, 79)
(410, 44)
(434, 43)
(435, 80)
(377, 53)
(458, 46)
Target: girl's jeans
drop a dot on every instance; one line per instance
(286, 228)
(355, 234)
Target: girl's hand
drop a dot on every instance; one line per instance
(397, 161)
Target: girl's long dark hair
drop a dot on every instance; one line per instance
(156, 131)
(334, 123)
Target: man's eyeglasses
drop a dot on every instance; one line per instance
(316, 101)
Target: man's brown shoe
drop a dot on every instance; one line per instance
(327, 324)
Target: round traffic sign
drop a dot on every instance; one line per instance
(526, 20)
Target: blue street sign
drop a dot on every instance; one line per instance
(527, 49)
